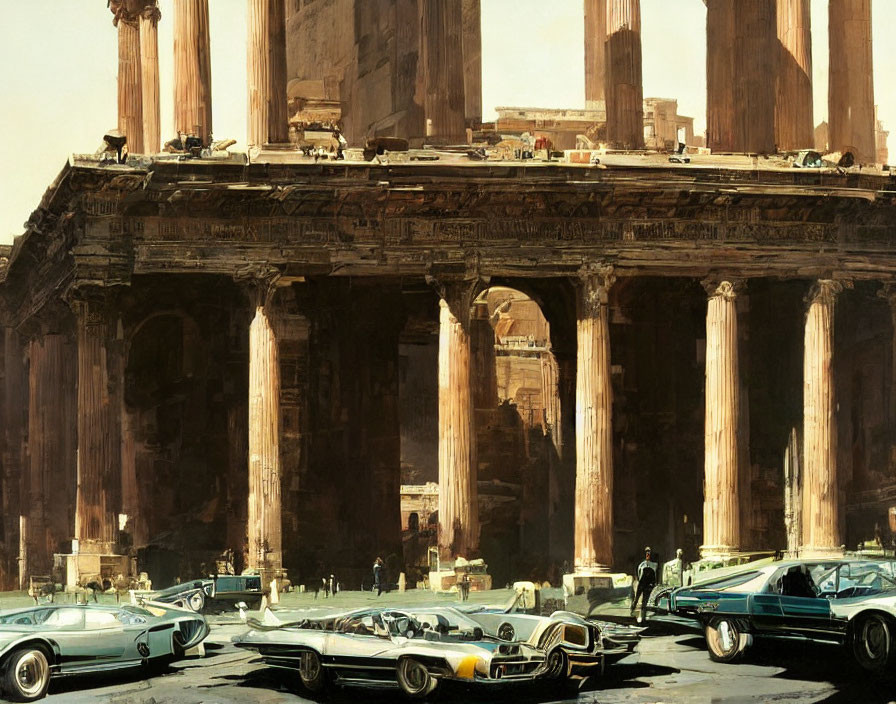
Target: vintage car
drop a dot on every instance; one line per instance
(41, 642)
(851, 601)
(416, 648)
(214, 594)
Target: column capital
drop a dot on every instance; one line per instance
(458, 292)
(260, 282)
(593, 285)
(725, 287)
(825, 291)
(130, 11)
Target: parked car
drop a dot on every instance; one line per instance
(43, 642)
(215, 594)
(851, 601)
(416, 648)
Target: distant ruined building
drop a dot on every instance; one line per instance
(207, 352)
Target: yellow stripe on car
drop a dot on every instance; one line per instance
(466, 669)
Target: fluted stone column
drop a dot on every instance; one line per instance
(888, 292)
(472, 40)
(192, 69)
(594, 427)
(149, 80)
(755, 60)
(721, 510)
(99, 454)
(264, 521)
(720, 112)
(266, 58)
(623, 82)
(595, 52)
(130, 91)
(458, 495)
(821, 510)
(443, 70)
(15, 404)
(794, 127)
(851, 79)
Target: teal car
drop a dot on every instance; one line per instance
(848, 601)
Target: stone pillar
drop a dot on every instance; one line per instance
(720, 113)
(595, 39)
(594, 427)
(149, 79)
(192, 70)
(443, 70)
(99, 453)
(755, 60)
(550, 376)
(268, 122)
(624, 92)
(130, 92)
(264, 524)
(851, 79)
(721, 510)
(821, 510)
(48, 490)
(472, 39)
(458, 494)
(484, 377)
(888, 292)
(794, 127)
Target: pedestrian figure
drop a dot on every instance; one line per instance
(332, 585)
(646, 583)
(378, 570)
(464, 587)
(325, 585)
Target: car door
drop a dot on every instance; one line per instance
(792, 605)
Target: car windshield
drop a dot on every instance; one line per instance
(856, 579)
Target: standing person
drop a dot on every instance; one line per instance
(378, 575)
(646, 583)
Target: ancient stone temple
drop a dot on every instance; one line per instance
(213, 353)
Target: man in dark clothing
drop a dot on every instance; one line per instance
(646, 582)
(378, 575)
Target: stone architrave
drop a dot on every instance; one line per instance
(441, 43)
(794, 128)
(130, 91)
(820, 494)
(623, 82)
(595, 39)
(99, 452)
(594, 426)
(149, 79)
(721, 509)
(472, 40)
(458, 494)
(268, 122)
(851, 79)
(264, 526)
(720, 112)
(192, 70)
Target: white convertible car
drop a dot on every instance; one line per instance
(415, 648)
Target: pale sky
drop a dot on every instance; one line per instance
(59, 60)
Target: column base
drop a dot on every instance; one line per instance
(718, 552)
(80, 568)
(815, 551)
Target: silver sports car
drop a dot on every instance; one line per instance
(41, 642)
(415, 648)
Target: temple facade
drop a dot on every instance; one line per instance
(219, 354)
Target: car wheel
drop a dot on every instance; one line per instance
(311, 671)
(872, 642)
(557, 664)
(414, 678)
(27, 675)
(196, 601)
(724, 639)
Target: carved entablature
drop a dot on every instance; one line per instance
(593, 283)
